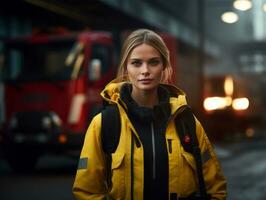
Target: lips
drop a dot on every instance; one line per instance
(146, 80)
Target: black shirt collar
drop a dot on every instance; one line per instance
(145, 114)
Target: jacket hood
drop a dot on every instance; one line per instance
(111, 94)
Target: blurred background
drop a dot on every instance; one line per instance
(57, 55)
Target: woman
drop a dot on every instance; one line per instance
(142, 166)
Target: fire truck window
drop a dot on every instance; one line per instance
(102, 53)
(15, 59)
(54, 62)
(37, 61)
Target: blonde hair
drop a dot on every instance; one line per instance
(144, 36)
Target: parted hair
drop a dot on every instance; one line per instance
(149, 37)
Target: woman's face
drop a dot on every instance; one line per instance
(144, 67)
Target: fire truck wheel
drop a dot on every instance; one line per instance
(21, 160)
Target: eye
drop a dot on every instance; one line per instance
(154, 62)
(136, 63)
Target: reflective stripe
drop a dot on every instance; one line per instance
(83, 163)
(76, 108)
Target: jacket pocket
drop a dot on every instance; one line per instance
(188, 178)
(117, 159)
(118, 176)
(174, 159)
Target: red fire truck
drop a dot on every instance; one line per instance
(52, 85)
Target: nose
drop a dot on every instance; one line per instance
(145, 69)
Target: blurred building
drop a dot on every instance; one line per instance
(207, 44)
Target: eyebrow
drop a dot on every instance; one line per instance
(153, 58)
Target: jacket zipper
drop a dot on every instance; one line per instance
(153, 153)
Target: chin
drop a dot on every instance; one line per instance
(148, 87)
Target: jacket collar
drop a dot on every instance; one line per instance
(112, 94)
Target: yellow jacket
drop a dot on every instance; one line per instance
(91, 177)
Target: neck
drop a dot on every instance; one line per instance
(145, 98)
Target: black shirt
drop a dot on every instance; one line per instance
(150, 124)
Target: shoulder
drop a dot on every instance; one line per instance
(199, 129)
(202, 136)
(96, 120)
(94, 126)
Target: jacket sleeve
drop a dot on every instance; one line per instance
(214, 179)
(91, 174)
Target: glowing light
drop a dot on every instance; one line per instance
(229, 17)
(46, 122)
(216, 103)
(242, 5)
(240, 103)
(229, 86)
(62, 139)
(228, 101)
(264, 7)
